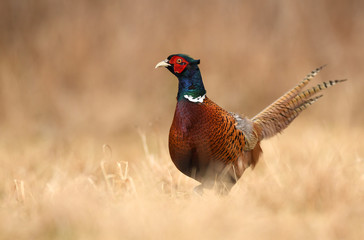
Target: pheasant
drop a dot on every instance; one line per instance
(215, 146)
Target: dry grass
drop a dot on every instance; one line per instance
(74, 77)
(309, 185)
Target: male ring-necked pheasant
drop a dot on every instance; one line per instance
(213, 145)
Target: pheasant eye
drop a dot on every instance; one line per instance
(179, 61)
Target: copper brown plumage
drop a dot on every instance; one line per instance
(214, 146)
(204, 140)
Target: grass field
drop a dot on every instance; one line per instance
(84, 119)
(308, 185)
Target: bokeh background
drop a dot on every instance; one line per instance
(75, 75)
(88, 66)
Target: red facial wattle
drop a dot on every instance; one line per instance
(179, 64)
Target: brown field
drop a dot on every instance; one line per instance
(84, 118)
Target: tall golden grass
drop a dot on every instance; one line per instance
(84, 119)
(308, 185)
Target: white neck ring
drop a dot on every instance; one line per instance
(195, 99)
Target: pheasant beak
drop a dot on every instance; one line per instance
(163, 63)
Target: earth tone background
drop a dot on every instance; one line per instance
(75, 76)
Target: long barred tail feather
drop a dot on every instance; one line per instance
(285, 109)
(291, 113)
(291, 93)
(301, 97)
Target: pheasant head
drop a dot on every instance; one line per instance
(186, 69)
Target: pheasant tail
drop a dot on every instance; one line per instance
(277, 116)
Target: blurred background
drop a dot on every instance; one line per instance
(75, 75)
(86, 68)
